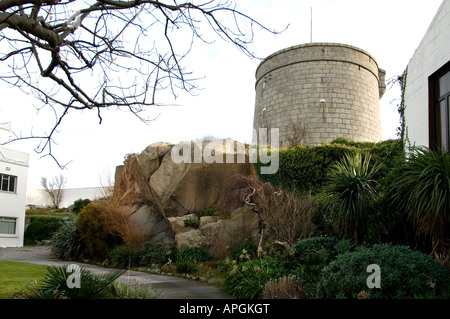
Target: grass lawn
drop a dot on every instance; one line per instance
(14, 276)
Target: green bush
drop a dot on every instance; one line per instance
(247, 280)
(192, 254)
(305, 247)
(404, 274)
(245, 248)
(210, 211)
(422, 192)
(154, 253)
(192, 222)
(304, 168)
(186, 268)
(41, 228)
(79, 204)
(55, 285)
(350, 194)
(124, 257)
(94, 233)
(66, 243)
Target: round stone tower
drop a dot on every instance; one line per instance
(315, 93)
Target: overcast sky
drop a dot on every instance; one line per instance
(390, 30)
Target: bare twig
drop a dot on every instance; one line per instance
(81, 56)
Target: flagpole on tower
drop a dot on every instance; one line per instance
(311, 24)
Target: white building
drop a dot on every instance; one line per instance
(39, 198)
(13, 191)
(427, 93)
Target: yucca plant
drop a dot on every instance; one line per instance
(66, 243)
(350, 193)
(54, 285)
(422, 191)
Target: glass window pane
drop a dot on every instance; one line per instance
(444, 85)
(7, 225)
(437, 127)
(12, 183)
(5, 181)
(8, 183)
(441, 125)
(447, 148)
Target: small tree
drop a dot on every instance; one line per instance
(287, 216)
(55, 188)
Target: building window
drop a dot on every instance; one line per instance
(8, 183)
(8, 225)
(439, 90)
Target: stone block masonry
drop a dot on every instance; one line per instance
(315, 93)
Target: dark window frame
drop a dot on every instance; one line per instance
(8, 187)
(432, 101)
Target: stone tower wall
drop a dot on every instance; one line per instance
(315, 93)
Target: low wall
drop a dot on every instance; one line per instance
(38, 197)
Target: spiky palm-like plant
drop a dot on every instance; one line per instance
(55, 285)
(350, 192)
(422, 190)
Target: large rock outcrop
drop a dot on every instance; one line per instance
(161, 189)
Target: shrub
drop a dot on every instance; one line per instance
(305, 247)
(192, 222)
(287, 287)
(41, 228)
(79, 204)
(287, 216)
(404, 274)
(192, 254)
(124, 257)
(293, 219)
(55, 285)
(422, 191)
(344, 246)
(66, 243)
(210, 211)
(157, 253)
(350, 193)
(247, 280)
(135, 292)
(186, 267)
(94, 232)
(305, 167)
(245, 248)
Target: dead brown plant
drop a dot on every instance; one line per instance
(283, 288)
(285, 215)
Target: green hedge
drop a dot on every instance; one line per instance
(304, 168)
(41, 228)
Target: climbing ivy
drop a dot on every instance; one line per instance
(401, 130)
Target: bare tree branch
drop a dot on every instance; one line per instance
(71, 54)
(55, 189)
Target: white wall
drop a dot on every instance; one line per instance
(13, 204)
(39, 197)
(432, 53)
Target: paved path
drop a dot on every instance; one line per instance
(167, 287)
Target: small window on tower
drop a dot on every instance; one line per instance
(264, 84)
(261, 112)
